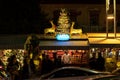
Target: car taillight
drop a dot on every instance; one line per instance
(1, 67)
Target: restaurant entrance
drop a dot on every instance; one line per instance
(77, 50)
(76, 57)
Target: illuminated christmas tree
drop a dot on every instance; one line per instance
(63, 22)
(63, 28)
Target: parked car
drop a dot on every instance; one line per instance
(116, 71)
(105, 77)
(71, 73)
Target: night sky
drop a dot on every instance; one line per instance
(76, 1)
(73, 1)
(19, 16)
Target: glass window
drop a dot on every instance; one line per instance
(118, 20)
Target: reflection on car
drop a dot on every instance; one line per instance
(114, 75)
(70, 71)
(106, 77)
(116, 71)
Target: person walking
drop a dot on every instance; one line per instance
(47, 64)
(25, 69)
(92, 61)
(100, 62)
(57, 60)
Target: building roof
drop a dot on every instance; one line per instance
(12, 41)
(93, 40)
(100, 40)
(63, 45)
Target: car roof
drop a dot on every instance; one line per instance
(117, 70)
(77, 67)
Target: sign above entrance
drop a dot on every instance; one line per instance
(62, 37)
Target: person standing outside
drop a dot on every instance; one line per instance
(13, 68)
(92, 61)
(66, 58)
(100, 62)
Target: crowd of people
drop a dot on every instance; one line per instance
(97, 63)
(17, 72)
(48, 65)
(13, 68)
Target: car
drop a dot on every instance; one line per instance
(105, 77)
(116, 71)
(71, 73)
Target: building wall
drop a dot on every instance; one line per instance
(84, 18)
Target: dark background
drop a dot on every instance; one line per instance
(26, 17)
(21, 17)
(77, 1)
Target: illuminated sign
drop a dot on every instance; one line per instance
(62, 37)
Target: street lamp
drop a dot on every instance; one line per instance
(114, 3)
(110, 16)
(107, 9)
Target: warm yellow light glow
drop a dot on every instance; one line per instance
(31, 55)
(36, 62)
(108, 60)
(110, 16)
(107, 4)
(118, 64)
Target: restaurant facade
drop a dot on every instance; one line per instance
(81, 48)
(63, 37)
